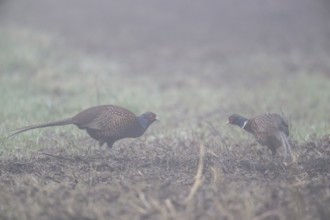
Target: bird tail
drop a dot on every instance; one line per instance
(286, 144)
(66, 121)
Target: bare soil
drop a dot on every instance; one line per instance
(153, 181)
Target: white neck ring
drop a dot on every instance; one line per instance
(244, 124)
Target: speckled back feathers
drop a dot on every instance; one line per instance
(269, 129)
(105, 123)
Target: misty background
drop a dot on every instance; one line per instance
(178, 37)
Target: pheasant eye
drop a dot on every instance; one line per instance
(152, 117)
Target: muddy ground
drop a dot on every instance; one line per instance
(150, 181)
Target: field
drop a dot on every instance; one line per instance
(190, 164)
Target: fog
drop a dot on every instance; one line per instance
(193, 63)
(150, 35)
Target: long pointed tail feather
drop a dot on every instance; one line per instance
(286, 145)
(66, 121)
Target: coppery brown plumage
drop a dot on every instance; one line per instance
(269, 129)
(104, 123)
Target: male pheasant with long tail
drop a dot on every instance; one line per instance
(104, 123)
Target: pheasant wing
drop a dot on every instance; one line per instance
(269, 123)
(113, 121)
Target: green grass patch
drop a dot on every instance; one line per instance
(42, 81)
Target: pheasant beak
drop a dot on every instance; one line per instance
(157, 118)
(227, 122)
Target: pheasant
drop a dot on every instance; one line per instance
(104, 123)
(269, 129)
